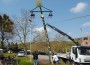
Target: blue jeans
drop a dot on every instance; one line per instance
(35, 62)
(57, 62)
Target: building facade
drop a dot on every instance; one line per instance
(85, 41)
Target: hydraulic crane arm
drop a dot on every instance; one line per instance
(64, 34)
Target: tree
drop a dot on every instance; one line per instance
(6, 27)
(22, 28)
(59, 41)
(60, 38)
(39, 36)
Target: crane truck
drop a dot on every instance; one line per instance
(79, 55)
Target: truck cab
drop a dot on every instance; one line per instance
(80, 54)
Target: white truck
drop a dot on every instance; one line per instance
(79, 55)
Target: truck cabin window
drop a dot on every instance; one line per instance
(74, 50)
(84, 51)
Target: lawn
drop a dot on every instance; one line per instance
(24, 61)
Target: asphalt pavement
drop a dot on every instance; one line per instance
(43, 58)
(1, 62)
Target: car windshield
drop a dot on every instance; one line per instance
(84, 50)
(21, 52)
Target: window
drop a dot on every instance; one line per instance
(85, 38)
(84, 51)
(74, 50)
(86, 42)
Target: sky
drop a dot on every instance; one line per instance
(62, 10)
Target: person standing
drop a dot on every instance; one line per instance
(55, 59)
(35, 57)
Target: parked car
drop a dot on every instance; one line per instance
(21, 53)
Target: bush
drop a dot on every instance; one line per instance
(24, 61)
(9, 54)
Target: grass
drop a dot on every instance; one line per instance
(24, 61)
(62, 63)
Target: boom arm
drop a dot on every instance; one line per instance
(64, 34)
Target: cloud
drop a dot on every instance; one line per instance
(87, 24)
(69, 33)
(41, 30)
(88, 33)
(80, 7)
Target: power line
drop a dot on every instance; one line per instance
(77, 17)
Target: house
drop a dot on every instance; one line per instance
(85, 41)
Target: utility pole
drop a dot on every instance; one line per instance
(30, 37)
(39, 5)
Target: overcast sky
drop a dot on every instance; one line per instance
(62, 10)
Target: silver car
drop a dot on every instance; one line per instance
(21, 53)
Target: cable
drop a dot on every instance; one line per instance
(74, 18)
(77, 17)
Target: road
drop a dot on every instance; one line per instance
(43, 58)
(1, 62)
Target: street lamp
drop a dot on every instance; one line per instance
(30, 37)
(44, 24)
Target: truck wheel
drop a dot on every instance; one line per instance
(81, 64)
(68, 62)
(73, 63)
